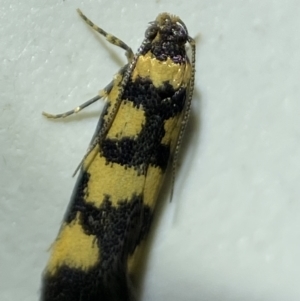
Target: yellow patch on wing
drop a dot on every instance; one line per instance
(113, 95)
(73, 248)
(147, 66)
(153, 183)
(128, 122)
(117, 181)
(90, 157)
(169, 126)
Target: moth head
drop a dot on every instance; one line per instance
(169, 28)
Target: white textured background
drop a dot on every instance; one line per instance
(232, 232)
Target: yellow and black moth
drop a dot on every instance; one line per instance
(138, 135)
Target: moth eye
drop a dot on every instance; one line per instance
(180, 32)
(151, 32)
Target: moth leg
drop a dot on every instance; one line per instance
(71, 112)
(110, 38)
(102, 93)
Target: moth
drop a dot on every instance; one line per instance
(138, 135)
